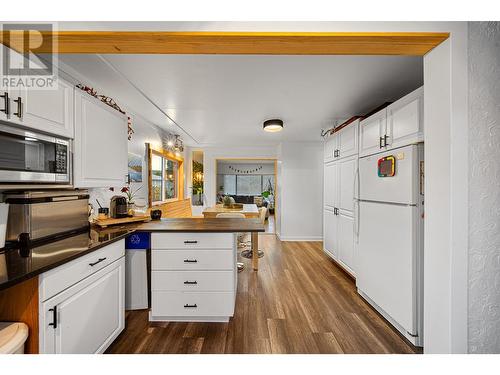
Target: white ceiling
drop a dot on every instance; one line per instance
(223, 99)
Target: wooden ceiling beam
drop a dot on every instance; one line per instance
(238, 43)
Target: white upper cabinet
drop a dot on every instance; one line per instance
(348, 140)
(371, 130)
(48, 111)
(405, 120)
(330, 147)
(400, 124)
(100, 156)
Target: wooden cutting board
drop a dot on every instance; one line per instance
(124, 220)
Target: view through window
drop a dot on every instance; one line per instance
(164, 173)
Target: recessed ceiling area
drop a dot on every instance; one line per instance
(224, 99)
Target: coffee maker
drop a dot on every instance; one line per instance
(118, 207)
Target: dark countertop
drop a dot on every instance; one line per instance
(42, 257)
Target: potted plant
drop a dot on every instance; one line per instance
(131, 195)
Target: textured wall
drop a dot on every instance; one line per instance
(484, 187)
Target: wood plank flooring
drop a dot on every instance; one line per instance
(298, 302)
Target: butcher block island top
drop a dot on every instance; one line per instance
(221, 225)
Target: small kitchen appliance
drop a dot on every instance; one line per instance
(30, 157)
(118, 207)
(35, 215)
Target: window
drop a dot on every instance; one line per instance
(165, 177)
(249, 184)
(232, 184)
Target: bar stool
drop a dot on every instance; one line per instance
(248, 253)
(234, 215)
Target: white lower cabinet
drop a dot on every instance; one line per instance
(330, 233)
(193, 276)
(86, 317)
(345, 241)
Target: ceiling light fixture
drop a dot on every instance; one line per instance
(273, 125)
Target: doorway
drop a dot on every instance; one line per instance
(249, 181)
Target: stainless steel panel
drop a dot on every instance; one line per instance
(50, 213)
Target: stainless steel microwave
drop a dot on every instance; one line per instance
(30, 157)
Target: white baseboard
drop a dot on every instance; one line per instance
(300, 238)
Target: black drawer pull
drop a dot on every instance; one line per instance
(97, 262)
(191, 282)
(19, 112)
(190, 261)
(54, 317)
(190, 242)
(6, 102)
(188, 306)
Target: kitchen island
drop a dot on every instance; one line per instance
(28, 274)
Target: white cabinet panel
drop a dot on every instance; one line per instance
(49, 111)
(405, 120)
(192, 240)
(370, 130)
(329, 147)
(347, 171)
(330, 233)
(330, 184)
(88, 316)
(348, 140)
(192, 304)
(192, 259)
(193, 281)
(100, 158)
(346, 241)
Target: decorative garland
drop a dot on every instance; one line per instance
(245, 171)
(109, 101)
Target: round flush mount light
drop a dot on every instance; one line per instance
(273, 125)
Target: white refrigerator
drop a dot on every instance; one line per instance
(389, 235)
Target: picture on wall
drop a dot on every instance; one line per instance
(135, 167)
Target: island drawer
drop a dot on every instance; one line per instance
(192, 240)
(196, 281)
(185, 304)
(192, 260)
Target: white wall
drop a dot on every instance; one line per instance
(445, 245)
(301, 186)
(484, 187)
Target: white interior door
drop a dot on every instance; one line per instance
(347, 171)
(386, 259)
(330, 233)
(370, 131)
(346, 241)
(330, 185)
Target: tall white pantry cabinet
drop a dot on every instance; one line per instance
(340, 165)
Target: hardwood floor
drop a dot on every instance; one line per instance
(298, 302)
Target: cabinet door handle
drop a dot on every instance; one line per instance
(190, 261)
(54, 317)
(190, 282)
(386, 137)
(97, 261)
(188, 306)
(380, 141)
(19, 112)
(190, 242)
(6, 103)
